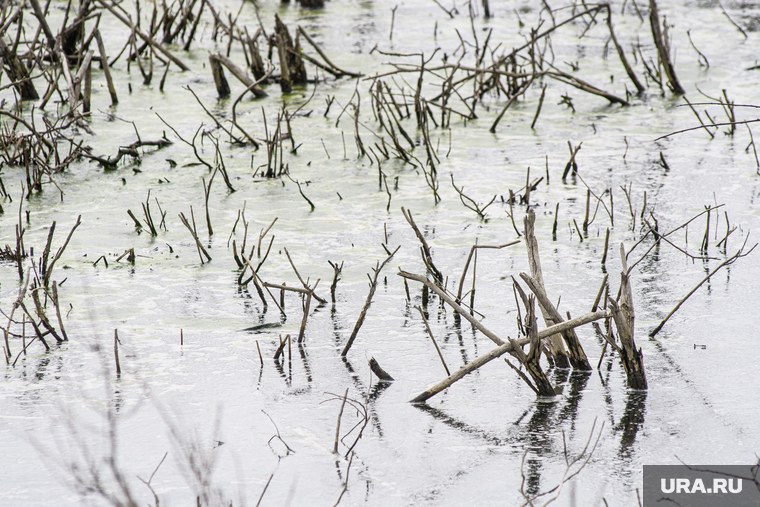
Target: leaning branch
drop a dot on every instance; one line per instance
(503, 349)
(367, 303)
(730, 260)
(143, 35)
(443, 295)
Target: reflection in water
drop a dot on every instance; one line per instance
(460, 425)
(371, 396)
(257, 314)
(377, 390)
(708, 284)
(538, 440)
(548, 416)
(336, 325)
(281, 370)
(474, 340)
(608, 394)
(118, 400)
(41, 370)
(305, 359)
(569, 411)
(632, 420)
(462, 348)
(560, 376)
(352, 371)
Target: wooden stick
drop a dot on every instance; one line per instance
(367, 303)
(599, 294)
(311, 291)
(534, 261)
(198, 243)
(377, 370)
(538, 109)
(430, 333)
(258, 279)
(41, 313)
(40, 335)
(554, 227)
(426, 256)
(60, 251)
(281, 347)
(106, 68)
(142, 35)
(116, 351)
(628, 70)
(337, 427)
(43, 23)
(576, 355)
(58, 310)
(239, 74)
(662, 48)
(324, 56)
(728, 261)
(336, 276)
(522, 376)
(588, 205)
(305, 315)
(531, 360)
(222, 86)
(469, 258)
(448, 299)
(503, 349)
(624, 316)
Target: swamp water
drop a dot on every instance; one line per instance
(217, 412)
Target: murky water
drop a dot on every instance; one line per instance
(212, 399)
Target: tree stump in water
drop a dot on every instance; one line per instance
(312, 4)
(531, 361)
(18, 73)
(556, 347)
(257, 64)
(222, 86)
(633, 361)
(292, 67)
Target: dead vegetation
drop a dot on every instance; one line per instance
(404, 124)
